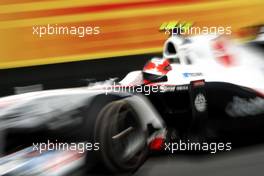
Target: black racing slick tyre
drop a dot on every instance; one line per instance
(122, 139)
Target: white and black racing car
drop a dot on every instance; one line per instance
(202, 89)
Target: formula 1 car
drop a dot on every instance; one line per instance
(166, 101)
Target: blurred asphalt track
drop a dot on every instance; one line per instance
(243, 161)
(239, 162)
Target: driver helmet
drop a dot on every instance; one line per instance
(155, 69)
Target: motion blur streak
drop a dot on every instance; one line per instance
(126, 27)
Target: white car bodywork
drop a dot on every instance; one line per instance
(197, 58)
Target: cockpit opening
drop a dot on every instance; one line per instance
(170, 49)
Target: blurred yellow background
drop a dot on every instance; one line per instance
(127, 27)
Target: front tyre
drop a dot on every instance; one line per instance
(122, 138)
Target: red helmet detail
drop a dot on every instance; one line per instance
(161, 66)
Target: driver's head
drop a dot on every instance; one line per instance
(155, 68)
